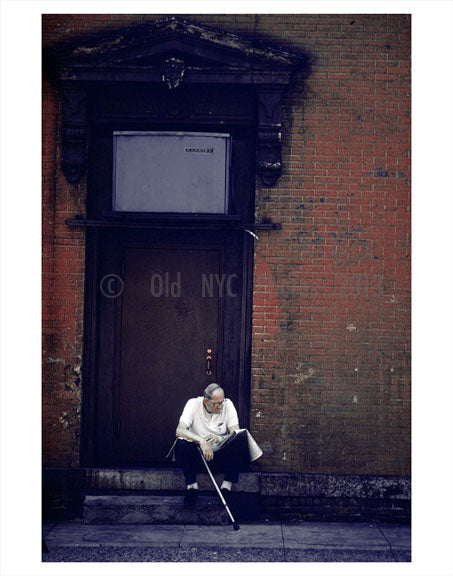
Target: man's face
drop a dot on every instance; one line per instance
(214, 405)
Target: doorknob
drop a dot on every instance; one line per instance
(208, 361)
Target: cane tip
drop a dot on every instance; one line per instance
(236, 526)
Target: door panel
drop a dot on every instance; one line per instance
(171, 315)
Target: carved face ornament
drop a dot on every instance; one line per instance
(172, 72)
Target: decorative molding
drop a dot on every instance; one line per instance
(210, 55)
(74, 133)
(174, 51)
(233, 105)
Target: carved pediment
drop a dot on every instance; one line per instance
(223, 56)
(172, 52)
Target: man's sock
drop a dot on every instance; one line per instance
(226, 484)
(194, 485)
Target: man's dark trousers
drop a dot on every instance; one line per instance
(232, 459)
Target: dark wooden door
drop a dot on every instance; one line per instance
(171, 320)
(145, 351)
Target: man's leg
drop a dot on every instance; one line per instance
(188, 457)
(233, 459)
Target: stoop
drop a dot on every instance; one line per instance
(132, 509)
(160, 479)
(71, 493)
(156, 496)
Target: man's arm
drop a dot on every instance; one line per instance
(232, 417)
(182, 431)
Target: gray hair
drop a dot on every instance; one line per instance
(209, 390)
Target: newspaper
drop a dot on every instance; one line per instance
(254, 450)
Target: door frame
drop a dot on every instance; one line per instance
(102, 225)
(93, 435)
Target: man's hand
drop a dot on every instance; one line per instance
(213, 439)
(207, 451)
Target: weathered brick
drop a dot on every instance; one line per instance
(331, 311)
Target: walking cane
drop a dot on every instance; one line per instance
(235, 524)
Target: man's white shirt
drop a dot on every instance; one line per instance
(200, 422)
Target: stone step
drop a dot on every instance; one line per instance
(152, 509)
(159, 479)
(282, 496)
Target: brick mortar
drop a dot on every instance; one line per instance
(330, 385)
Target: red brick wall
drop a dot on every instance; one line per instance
(331, 368)
(63, 260)
(331, 319)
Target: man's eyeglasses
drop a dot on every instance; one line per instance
(215, 404)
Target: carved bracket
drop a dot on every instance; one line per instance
(74, 133)
(269, 148)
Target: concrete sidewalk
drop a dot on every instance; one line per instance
(254, 542)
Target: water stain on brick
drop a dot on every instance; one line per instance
(383, 173)
(301, 375)
(64, 421)
(266, 447)
(51, 360)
